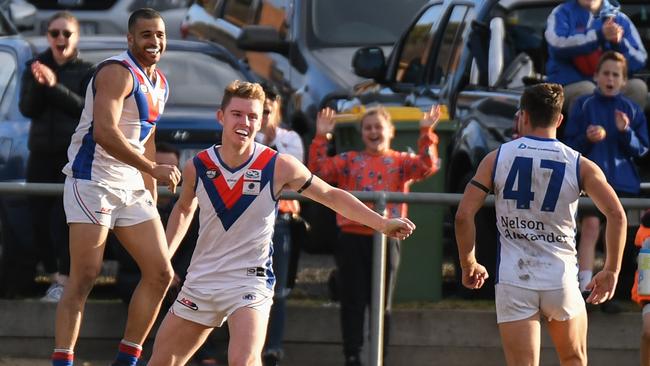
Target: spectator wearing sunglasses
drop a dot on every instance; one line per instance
(52, 95)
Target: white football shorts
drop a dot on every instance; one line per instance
(517, 303)
(212, 307)
(91, 202)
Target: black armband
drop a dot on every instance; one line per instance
(307, 184)
(479, 186)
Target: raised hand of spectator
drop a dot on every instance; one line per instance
(431, 118)
(612, 31)
(622, 120)
(43, 74)
(596, 133)
(325, 121)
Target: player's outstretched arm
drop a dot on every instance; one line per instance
(474, 274)
(293, 175)
(593, 180)
(183, 211)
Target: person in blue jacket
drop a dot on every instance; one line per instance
(609, 129)
(578, 32)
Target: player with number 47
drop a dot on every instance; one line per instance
(536, 181)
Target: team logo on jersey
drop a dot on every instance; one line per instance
(211, 173)
(144, 88)
(249, 297)
(251, 188)
(253, 174)
(187, 303)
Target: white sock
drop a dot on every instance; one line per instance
(584, 277)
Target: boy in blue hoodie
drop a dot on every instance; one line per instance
(609, 129)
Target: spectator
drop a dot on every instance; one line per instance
(536, 182)
(578, 32)
(286, 142)
(610, 130)
(52, 95)
(376, 168)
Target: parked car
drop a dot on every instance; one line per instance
(109, 16)
(20, 12)
(303, 47)
(474, 58)
(197, 73)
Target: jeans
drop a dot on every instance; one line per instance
(50, 229)
(281, 255)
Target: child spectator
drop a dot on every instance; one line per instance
(376, 168)
(609, 129)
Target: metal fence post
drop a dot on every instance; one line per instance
(377, 292)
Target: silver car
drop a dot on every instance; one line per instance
(109, 16)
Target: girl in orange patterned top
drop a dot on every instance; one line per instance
(376, 168)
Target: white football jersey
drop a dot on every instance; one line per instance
(236, 220)
(536, 187)
(141, 110)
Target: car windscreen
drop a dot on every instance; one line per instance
(639, 14)
(361, 22)
(195, 79)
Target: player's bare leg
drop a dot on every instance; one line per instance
(247, 335)
(177, 340)
(521, 341)
(87, 243)
(146, 243)
(570, 339)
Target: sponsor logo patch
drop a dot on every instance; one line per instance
(251, 188)
(256, 271)
(187, 303)
(104, 211)
(253, 174)
(249, 297)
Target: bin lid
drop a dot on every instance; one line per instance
(397, 114)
